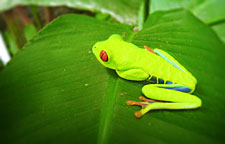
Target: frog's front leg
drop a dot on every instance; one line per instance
(171, 96)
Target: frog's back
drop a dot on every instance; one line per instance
(158, 67)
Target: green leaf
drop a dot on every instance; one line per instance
(220, 30)
(1, 64)
(143, 13)
(209, 11)
(29, 31)
(35, 14)
(12, 47)
(55, 91)
(125, 11)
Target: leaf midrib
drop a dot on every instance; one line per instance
(108, 106)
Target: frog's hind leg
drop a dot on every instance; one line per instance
(165, 98)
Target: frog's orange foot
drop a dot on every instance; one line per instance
(149, 100)
(146, 100)
(138, 114)
(143, 103)
(131, 103)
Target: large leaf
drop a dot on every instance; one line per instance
(125, 11)
(55, 91)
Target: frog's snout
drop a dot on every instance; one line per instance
(94, 48)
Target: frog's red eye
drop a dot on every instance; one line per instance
(104, 56)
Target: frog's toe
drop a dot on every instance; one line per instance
(146, 100)
(130, 103)
(138, 114)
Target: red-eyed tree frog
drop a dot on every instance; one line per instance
(173, 84)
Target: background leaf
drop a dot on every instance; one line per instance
(125, 11)
(209, 11)
(29, 31)
(55, 91)
(13, 49)
(220, 30)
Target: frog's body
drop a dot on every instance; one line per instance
(173, 82)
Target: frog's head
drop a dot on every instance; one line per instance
(108, 51)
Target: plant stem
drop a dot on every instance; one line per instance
(47, 15)
(14, 27)
(23, 16)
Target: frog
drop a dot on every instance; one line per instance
(170, 84)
